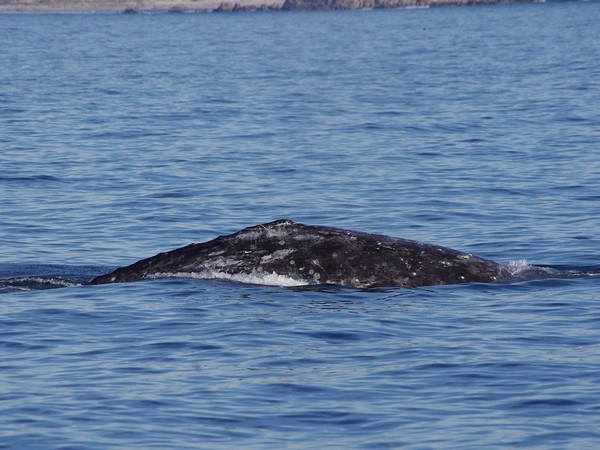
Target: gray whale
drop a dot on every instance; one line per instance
(285, 252)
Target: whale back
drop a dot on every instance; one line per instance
(311, 254)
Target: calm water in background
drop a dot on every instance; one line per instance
(125, 135)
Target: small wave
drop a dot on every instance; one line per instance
(517, 267)
(256, 277)
(33, 276)
(31, 178)
(34, 284)
(521, 270)
(522, 267)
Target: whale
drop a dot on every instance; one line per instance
(290, 253)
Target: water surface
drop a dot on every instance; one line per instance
(124, 135)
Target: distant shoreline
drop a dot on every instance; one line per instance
(134, 6)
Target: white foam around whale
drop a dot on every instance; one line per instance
(518, 266)
(256, 277)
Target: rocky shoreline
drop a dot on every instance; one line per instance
(133, 6)
(290, 5)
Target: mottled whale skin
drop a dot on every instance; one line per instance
(315, 255)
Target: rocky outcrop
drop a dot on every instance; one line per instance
(239, 7)
(313, 5)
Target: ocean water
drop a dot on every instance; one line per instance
(121, 136)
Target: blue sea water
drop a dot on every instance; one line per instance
(476, 128)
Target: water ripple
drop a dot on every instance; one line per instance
(147, 132)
